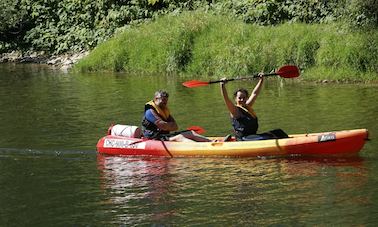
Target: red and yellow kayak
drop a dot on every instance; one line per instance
(314, 144)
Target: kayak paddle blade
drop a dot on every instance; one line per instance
(197, 129)
(288, 71)
(195, 83)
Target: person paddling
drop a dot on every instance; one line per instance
(158, 122)
(243, 117)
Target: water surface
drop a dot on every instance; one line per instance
(50, 173)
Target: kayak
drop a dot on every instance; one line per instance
(347, 142)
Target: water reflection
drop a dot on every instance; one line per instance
(166, 191)
(137, 186)
(327, 188)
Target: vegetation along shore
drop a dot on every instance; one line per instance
(328, 40)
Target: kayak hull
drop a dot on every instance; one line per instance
(347, 142)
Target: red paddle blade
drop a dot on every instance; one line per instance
(288, 71)
(197, 129)
(195, 83)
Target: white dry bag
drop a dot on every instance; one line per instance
(126, 130)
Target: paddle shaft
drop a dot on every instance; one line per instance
(286, 71)
(176, 133)
(241, 78)
(168, 135)
(197, 129)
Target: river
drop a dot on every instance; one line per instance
(51, 175)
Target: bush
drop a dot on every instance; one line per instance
(363, 13)
(273, 12)
(58, 26)
(13, 22)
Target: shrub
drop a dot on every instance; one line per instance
(363, 13)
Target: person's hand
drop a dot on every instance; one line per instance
(223, 80)
(261, 75)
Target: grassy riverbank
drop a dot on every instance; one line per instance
(203, 44)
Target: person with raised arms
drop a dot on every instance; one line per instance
(243, 117)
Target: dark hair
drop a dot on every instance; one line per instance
(241, 90)
(161, 93)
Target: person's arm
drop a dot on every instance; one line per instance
(171, 125)
(256, 91)
(230, 106)
(152, 116)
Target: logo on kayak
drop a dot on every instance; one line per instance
(119, 143)
(327, 137)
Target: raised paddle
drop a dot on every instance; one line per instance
(286, 71)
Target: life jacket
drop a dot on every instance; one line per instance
(150, 130)
(246, 124)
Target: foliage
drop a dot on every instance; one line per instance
(58, 26)
(161, 46)
(363, 13)
(73, 25)
(12, 24)
(272, 12)
(217, 46)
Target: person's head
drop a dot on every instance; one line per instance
(161, 98)
(241, 96)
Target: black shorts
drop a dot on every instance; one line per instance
(273, 134)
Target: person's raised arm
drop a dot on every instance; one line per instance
(256, 91)
(230, 106)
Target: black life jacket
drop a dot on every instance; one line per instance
(246, 124)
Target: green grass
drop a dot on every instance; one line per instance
(196, 43)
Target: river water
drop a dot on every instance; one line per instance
(51, 175)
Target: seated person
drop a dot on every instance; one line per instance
(158, 122)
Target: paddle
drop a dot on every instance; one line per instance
(286, 71)
(197, 129)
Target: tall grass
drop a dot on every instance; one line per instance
(197, 43)
(164, 45)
